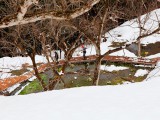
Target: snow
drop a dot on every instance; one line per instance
(15, 63)
(151, 39)
(10, 89)
(141, 72)
(21, 89)
(61, 72)
(32, 78)
(7, 64)
(138, 101)
(4, 75)
(155, 73)
(123, 52)
(112, 68)
(154, 56)
(91, 49)
(104, 48)
(129, 31)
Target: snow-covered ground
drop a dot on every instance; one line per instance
(7, 64)
(128, 32)
(124, 53)
(137, 101)
(15, 63)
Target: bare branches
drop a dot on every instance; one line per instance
(24, 8)
(19, 19)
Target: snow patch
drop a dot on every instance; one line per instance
(141, 72)
(153, 56)
(10, 89)
(112, 68)
(7, 64)
(4, 75)
(123, 52)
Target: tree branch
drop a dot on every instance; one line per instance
(148, 34)
(8, 22)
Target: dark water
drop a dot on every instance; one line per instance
(77, 76)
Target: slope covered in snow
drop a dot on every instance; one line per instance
(129, 31)
(139, 101)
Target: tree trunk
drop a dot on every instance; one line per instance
(37, 73)
(97, 71)
(139, 48)
(97, 47)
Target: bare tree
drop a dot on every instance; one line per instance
(142, 22)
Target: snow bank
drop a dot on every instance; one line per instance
(138, 101)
